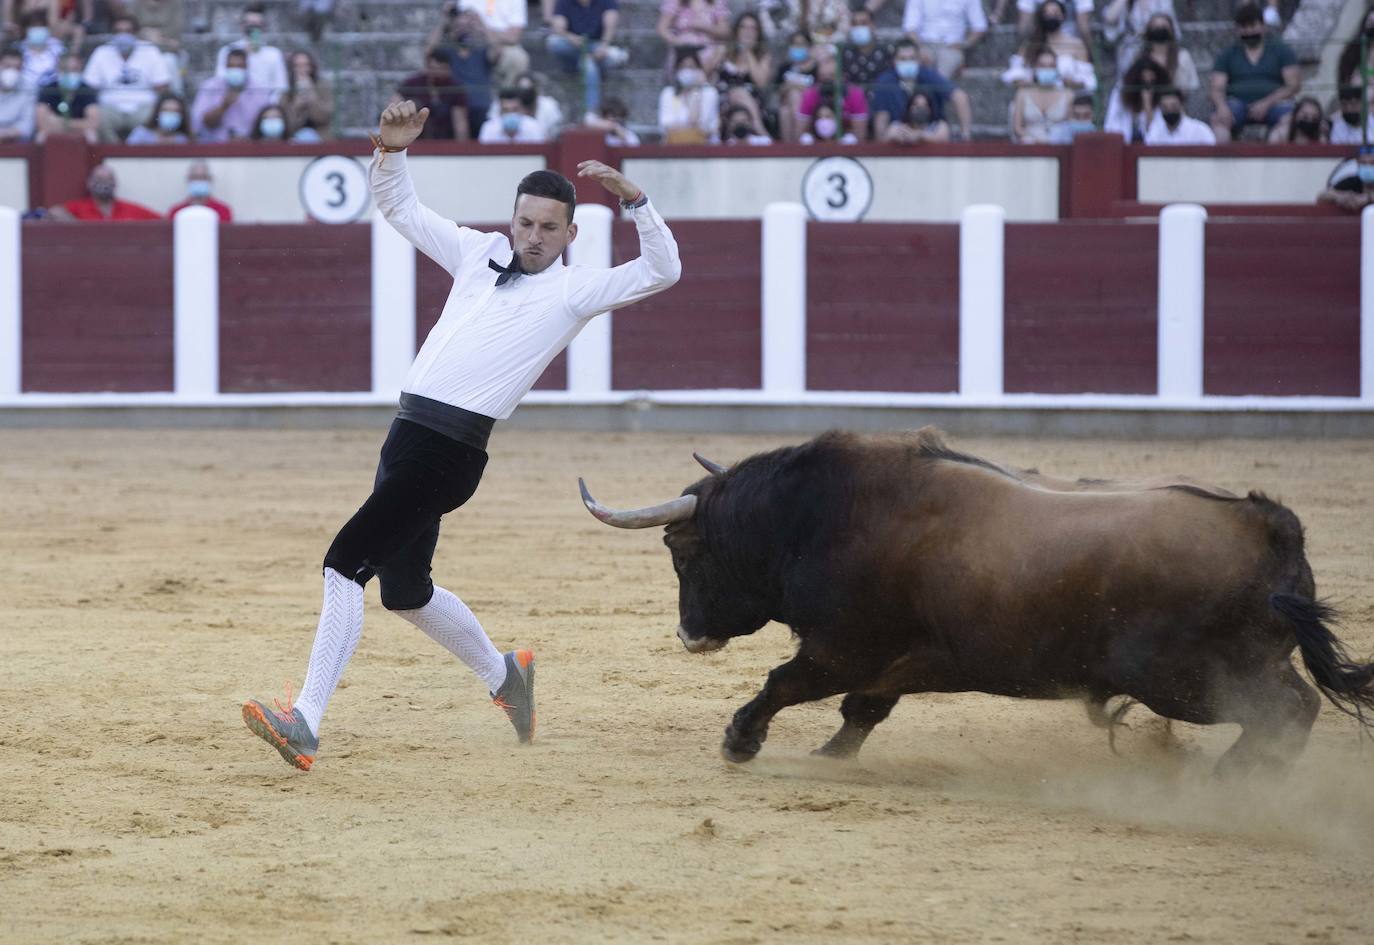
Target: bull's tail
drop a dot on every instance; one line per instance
(1347, 684)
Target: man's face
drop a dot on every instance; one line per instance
(511, 106)
(825, 66)
(252, 22)
(123, 26)
(540, 231)
(101, 183)
(438, 69)
(236, 60)
(198, 172)
(1083, 112)
(1251, 34)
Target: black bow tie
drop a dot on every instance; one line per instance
(507, 272)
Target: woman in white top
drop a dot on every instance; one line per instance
(1158, 39)
(1071, 55)
(1131, 108)
(1037, 108)
(689, 109)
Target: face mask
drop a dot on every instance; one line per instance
(9, 78)
(920, 116)
(740, 131)
(169, 121)
(1308, 129)
(687, 78)
(1171, 119)
(254, 34)
(102, 190)
(797, 53)
(1080, 126)
(1159, 34)
(1051, 24)
(906, 69)
(1046, 75)
(199, 189)
(1351, 118)
(236, 77)
(124, 43)
(861, 35)
(510, 122)
(70, 81)
(825, 128)
(37, 35)
(1367, 173)
(1252, 39)
(273, 127)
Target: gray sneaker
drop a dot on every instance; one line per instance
(284, 731)
(516, 695)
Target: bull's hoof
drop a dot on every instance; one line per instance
(737, 748)
(836, 752)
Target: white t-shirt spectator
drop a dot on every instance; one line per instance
(499, 14)
(494, 132)
(547, 112)
(1071, 10)
(1341, 133)
(1189, 131)
(701, 111)
(127, 85)
(40, 65)
(944, 21)
(266, 66)
(1070, 70)
(17, 111)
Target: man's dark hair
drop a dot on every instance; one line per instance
(260, 8)
(1248, 14)
(906, 42)
(612, 106)
(1085, 98)
(125, 18)
(1348, 92)
(241, 53)
(549, 184)
(1165, 90)
(438, 54)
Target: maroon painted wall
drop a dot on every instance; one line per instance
(882, 307)
(704, 332)
(1080, 302)
(1282, 308)
(97, 307)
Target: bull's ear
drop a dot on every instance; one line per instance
(715, 469)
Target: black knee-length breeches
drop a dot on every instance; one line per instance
(421, 476)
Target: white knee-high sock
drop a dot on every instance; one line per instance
(341, 626)
(449, 622)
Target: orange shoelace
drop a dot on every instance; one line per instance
(286, 713)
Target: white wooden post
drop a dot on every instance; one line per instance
(589, 355)
(1366, 303)
(981, 275)
(11, 327)
(1182, 240)
(393, 307)
(784, 298)
(195, 303)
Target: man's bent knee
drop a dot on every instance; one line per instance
(405, 595)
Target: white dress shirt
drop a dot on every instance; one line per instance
(944, 21)
(1341, 133)
(493, 131)
(126, 85)
(491, 344)
(498, 14)
(1189, 131)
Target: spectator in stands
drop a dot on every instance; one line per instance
(227, 105)
(825, 21)
(614, 120)
(435, 89)
(1345, 123)
(167, 125)
(582, 40)
(1254, 81)
(824, 128)
(42, 51)
(1172, 125)
(516, 124)
(270, 125)
(1161, 44)
(1074, 21)
(701, 24)
(129, 74)
(689, 108)
(894, 89)
(1348, 67)
(1125, 23)
(503, 21)
(1305, 124)
(315, 15)
(17, 99)
(864, 58)
(65, 19)
(1080, 121)
(741, 127)
(308, 102)
(102, 204)
(946, 29)
(835, 91)
(199, 186)
(920, 123)
(68, 106)
(1037, 108)
(1132, 107)
(1050, 27)
(546, 109)
(266, 64)
(1356, 192)
(1075, 69)
(746, 68)
(796, 74)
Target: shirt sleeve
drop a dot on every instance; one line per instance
(1286, 56)
(441, 240)
(810, 100)
(913, 16)
(593, 291)
(977, 19)
(855, 102)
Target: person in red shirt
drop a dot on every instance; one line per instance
(101, 204)
(198, 186)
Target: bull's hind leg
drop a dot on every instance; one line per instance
(1276, 713)
(800, 679)
(862, 711)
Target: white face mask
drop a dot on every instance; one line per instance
(689, 78)
(9, 78)
(825, 127)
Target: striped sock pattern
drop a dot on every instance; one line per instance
(340, 629)
(450, 623)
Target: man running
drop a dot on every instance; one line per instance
(509, 313)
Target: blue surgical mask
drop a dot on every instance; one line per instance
(37, 35)
(906, 69)
(273, 127)
(1045, 76)
(124, 43)
(861, 35)
(236, 77)
(169, 121)
(1367, 173)
(510, 122)
(198, 189)
(1077, 127)
(798, 53)
(69, 81)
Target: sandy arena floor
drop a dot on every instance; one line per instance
(156, 579)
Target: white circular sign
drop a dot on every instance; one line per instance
(837, 189)
(334, 189)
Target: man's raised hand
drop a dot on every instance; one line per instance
(402, 123)
(610, 178)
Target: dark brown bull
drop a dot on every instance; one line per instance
(903, 566)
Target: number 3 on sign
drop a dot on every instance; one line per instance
(837, 189)
(334, 189)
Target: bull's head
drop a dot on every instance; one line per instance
(717, 599)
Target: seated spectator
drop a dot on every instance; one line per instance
(796, 74)
(1356, 192)
(315, 15)
(825, 21)
(1131, 108)
(65, 20)
(199, 185)
(615, 115)
(1161, 45)
(129, 74)
(1080, 121)
(516, 124)
(168, 124)
(1305, 124)
(894, 89)
(1037, 108)
(1074, 21)
(227, 106)
(689, 108)
(1254, 81)
(102, 204)
(270, 124)
(42, 50)
(265, 64)
(68, 106)
(746, 68)
(17, 99)
(582, 40)
(946, 29)
(470, 58)
(1348, 67)
(1051, 27)
(1071, 59)
(1125, 23)
(1345, 123)
(864, 58)
(920, 123)
(834, 90)
(546, 111)
(701, 24)
(1172, 125)
(308, 101)
(741, 127)
(824, 128)
(435, 89)
(504, 21)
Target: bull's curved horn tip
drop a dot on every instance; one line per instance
(593, 506)
(714, 468)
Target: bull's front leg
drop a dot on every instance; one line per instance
(800, 679)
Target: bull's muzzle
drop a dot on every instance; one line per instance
(699, 644)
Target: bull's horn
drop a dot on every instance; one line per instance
(715, 469)
(665, 513)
